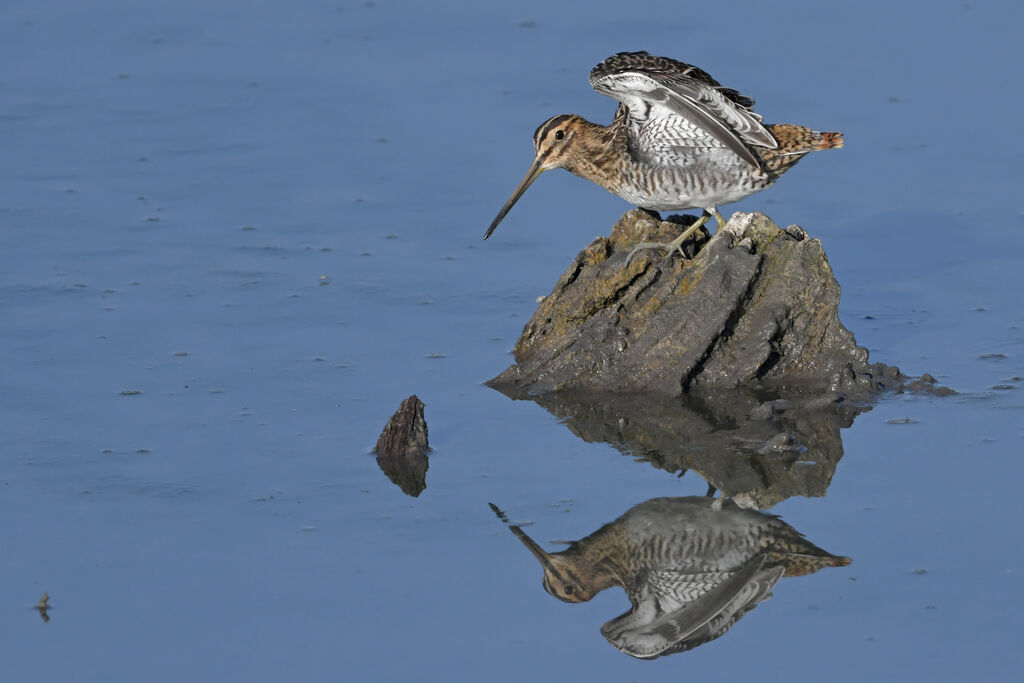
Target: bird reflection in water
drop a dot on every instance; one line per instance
(692, 567)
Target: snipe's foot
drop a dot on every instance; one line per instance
(677, 243)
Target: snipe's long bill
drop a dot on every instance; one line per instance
(679, 140)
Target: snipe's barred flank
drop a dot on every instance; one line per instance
(679, 140)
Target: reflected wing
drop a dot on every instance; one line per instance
(675, 108)
(675, 612)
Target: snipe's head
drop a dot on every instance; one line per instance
(555, 140)
(563, 577)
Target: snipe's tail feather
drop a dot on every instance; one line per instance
(795, 139)
(839, 561)
(830, 141)
(802, 564)
(793, 143)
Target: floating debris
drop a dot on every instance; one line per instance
(927, 384)
(42, 606)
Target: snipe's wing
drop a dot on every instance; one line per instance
(675, 611)
(676, 109)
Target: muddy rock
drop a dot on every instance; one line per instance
(756, 307)
(402, 447)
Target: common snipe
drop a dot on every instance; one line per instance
(679, 140)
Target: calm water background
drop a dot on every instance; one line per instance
(265, 218)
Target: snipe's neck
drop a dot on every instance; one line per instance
(598, 153)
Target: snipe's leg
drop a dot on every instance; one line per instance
(677, 243)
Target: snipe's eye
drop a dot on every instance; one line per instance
(567, 589)
(559, 134)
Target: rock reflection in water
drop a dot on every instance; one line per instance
(757, 450)
(407, 471)
(692, 567)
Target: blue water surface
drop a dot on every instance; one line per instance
(233, 236)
